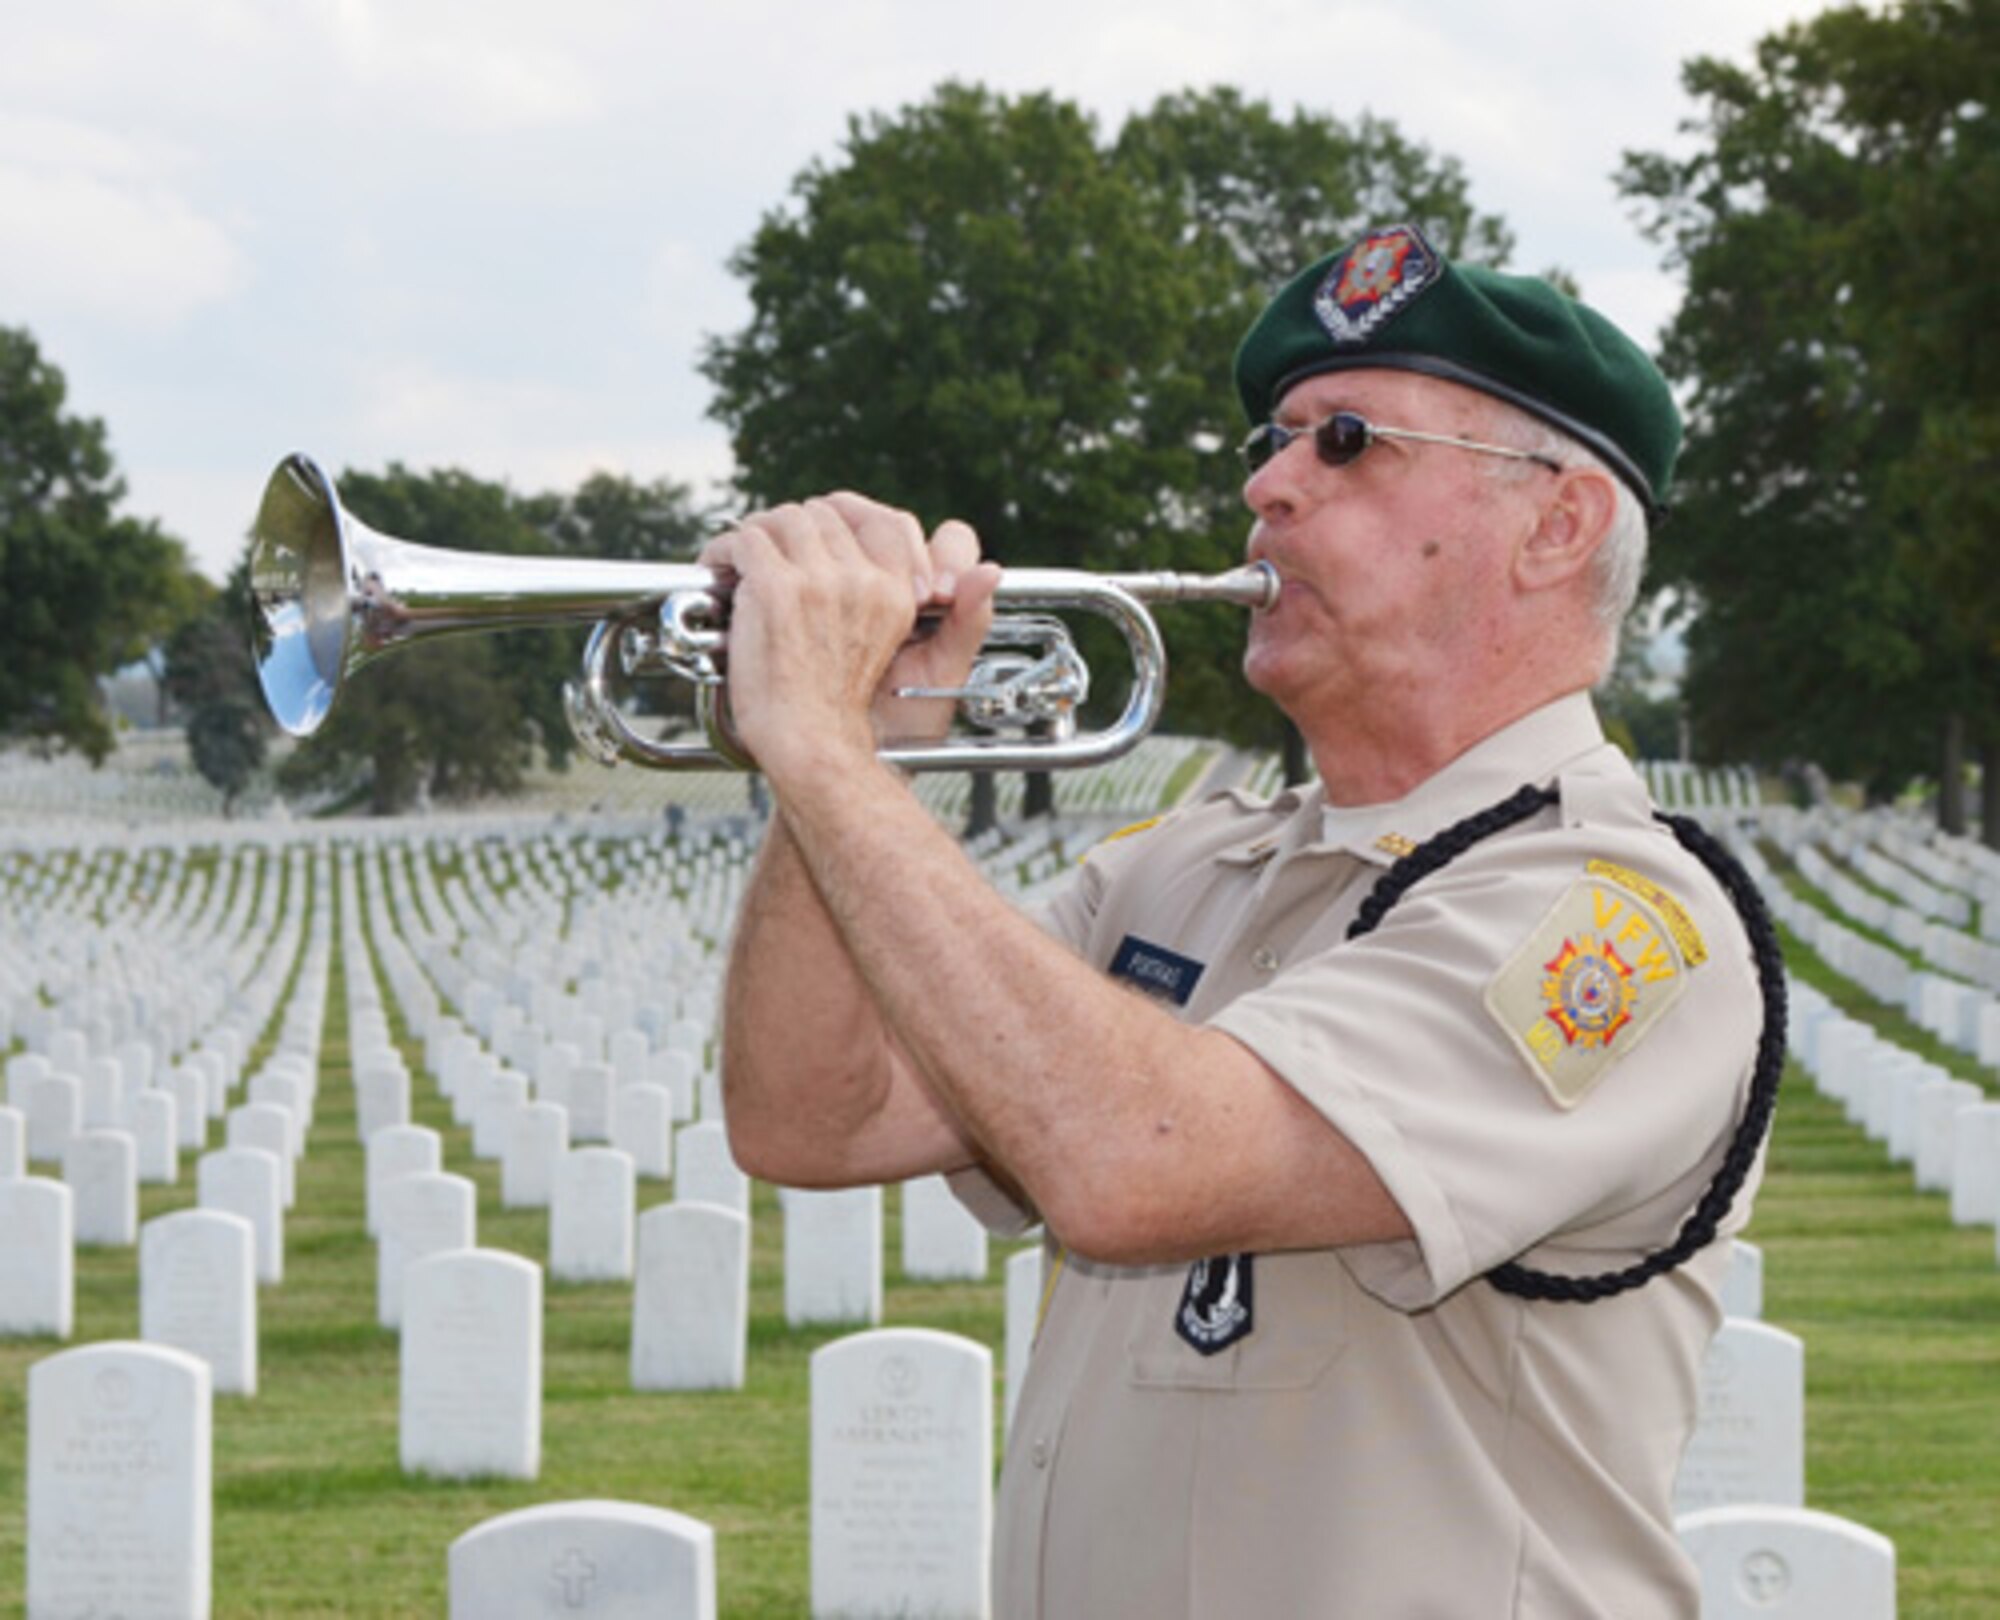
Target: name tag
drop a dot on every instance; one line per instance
(1156, 970)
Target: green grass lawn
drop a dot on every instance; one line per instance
(1900, 1313)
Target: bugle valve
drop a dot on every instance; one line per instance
(329, 595)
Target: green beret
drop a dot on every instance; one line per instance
(1392, 300)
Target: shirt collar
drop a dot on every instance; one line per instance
(1531, 749)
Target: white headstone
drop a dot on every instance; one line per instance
(472, 1365)
(1743, 1283)
(284, 1089)
(53, 1103)
(704, 1171)
(691, 1299)
(608, 1560)
(676, 1070)
(153, 1119)
(497, 1099)
(38, 1259)
(104, 1093)
(537, 1141)
(642, 1124)
(942, 1240)
(198, 1292)
(13, 1144)
(398, 1150)
(248, 1182)
(422, 1214)
(1938, 1109)
(1975, 1167)
(591, 1216)
(267, 1126)
(902, 1475)
(833, 1255)
(1024, 1309)
(553, 1066)
(630, 1053)
(21, 1068)
(102, 1169)
(1788, 1563)
(187, 1084)
(381, 1097)
(1749, 1441)
(120, 1482)
(590, 1087)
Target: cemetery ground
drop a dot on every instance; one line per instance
(1898, 1308)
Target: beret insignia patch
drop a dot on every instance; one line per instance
(1591, 980)
(1372, 281)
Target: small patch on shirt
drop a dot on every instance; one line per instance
(1155, 969)
(1590, 981)
(1395, 844)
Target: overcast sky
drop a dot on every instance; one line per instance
(491, 234)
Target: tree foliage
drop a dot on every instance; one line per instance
(981, 309)
(1837, 528)
(83, 591)
(467, 715)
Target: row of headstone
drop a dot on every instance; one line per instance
(1677, 785)
(1945, 1129)
(1924, 919)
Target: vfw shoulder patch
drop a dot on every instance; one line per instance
(1592, 979)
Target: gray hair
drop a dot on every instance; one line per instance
(1620, 565)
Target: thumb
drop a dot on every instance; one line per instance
(970, 611)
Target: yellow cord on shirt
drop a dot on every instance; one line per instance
(1049, 1290)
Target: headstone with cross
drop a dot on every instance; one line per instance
(600, 1559)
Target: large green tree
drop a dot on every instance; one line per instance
(981, 309)
(467, 715)
(1837, 532)
(83, 590)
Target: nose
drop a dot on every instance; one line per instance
(1273, 491)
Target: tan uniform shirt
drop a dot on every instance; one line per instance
(1543, 1060)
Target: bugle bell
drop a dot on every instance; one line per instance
(329, 595)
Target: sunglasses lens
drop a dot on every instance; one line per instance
(1264, 442)
(1340, 438)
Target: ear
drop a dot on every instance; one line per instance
(1575, 517)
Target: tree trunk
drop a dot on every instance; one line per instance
(1989, 790)
(983, 814)
(1951, 779)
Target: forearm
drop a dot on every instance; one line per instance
(813, 1088)
(1062, 1078)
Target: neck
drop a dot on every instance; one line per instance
(1387, 752)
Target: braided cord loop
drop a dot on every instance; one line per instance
(1712, 1209)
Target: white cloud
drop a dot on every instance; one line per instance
(473, 66)
(96, 225)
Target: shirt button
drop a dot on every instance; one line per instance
(1264, 959)
(1039, 1452)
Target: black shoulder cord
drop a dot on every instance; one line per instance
(1700, 1228)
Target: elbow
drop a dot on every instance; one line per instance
(1111, 1218)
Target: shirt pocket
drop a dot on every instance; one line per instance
(1301, 1300)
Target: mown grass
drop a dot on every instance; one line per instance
(1899, 1310)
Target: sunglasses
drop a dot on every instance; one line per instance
(1344, 436)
